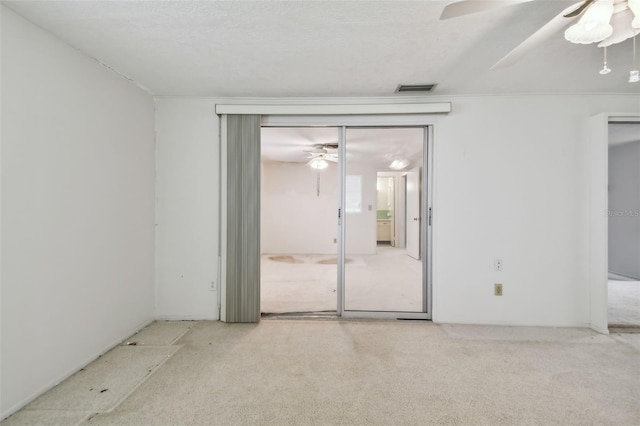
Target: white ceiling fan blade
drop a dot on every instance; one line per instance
(467, 7)
(537, 38)
(334, 159)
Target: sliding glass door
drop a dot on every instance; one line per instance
(385, 221)
(381, 222)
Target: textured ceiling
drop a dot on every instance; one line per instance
(324, 48)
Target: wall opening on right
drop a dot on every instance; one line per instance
(624, 225)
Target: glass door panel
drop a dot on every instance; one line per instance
(383, 225)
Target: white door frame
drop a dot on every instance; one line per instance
(598, 178)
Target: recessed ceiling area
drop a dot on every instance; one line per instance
(374, 146)
(322, 48)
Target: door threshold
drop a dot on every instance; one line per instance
(624, 328)
(298, 315)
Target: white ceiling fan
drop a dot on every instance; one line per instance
(321, 154)
(605, 22)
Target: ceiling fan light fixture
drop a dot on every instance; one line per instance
(594, 26)
(622, 28)
(634, 5)
(634, 74)
(318, 163)
(398, 164)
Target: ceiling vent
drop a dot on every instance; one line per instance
(415, 88)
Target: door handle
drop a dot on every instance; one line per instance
(416, 218)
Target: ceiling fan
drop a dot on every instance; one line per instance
(322, 153)
(605, 22)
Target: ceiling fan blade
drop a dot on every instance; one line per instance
(333, 159)
(467, 7)
(579, 10)
(537, 38)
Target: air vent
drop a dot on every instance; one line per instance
(415, 88)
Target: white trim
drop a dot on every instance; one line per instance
(315, 109)
(624, 118)
(404, 98)
(180, 317)
(598, 224)
(364, 120)
(600, 330)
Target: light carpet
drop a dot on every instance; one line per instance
(320, 372)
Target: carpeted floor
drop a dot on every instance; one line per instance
(324, 372)
(389, 280)
(624, 303)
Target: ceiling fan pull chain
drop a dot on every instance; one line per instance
(605, 69)
(634, 74)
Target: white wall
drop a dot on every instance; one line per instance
(187, 208)
(77, 210)
(624, 209)
(510, 182)
(294, 218)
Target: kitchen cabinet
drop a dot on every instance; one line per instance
(384, 230)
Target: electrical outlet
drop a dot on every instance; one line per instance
(335, 241)
(497, 289)
(212, 286)
(497, 265)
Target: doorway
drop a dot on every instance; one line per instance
(624, 226)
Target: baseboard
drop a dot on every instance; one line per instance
(600, 330)
(186, 318)
(51, 384)
(510, 323)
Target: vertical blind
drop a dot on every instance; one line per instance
(243, 219)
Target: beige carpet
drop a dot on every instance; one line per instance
(624, 303)
(389, 280)
(325, 372)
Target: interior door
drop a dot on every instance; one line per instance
(413, 219)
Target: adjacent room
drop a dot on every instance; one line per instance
(299, 229)
(301, 186)
(624, 226)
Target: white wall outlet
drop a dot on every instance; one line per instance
(497, 264)
(212, 286)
